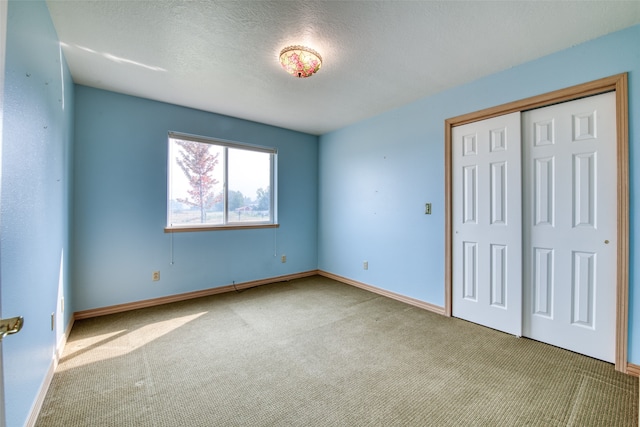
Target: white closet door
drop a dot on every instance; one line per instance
(570, 225)
(487, 223)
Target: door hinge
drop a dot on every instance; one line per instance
(10, 326)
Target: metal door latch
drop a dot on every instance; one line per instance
(10, 326)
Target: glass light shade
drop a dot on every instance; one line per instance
(300, 61)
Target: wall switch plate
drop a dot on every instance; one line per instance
(427, 208)
(155, 276)
(283, 259)
(53, 321)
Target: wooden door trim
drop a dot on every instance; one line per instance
(617, 83)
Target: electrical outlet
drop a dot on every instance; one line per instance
(283, 259)
(427, 209)
(155, 276)
(365, 265)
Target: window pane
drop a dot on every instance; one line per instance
(195, 183)
(217, 183)
(249, 174)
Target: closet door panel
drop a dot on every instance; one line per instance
(487, 223)
(569, 227)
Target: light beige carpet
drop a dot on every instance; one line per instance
(314, 352)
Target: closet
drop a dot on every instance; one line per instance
(534, 224)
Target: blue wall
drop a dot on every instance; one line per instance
(120, 210)
(35, 198)
(376, 175)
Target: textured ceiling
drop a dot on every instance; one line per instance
(222, 56)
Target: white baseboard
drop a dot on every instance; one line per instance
(44, 388)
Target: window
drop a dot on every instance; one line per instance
(213, 183)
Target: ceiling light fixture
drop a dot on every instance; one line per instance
(300, 61)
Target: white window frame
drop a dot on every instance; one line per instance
(227, 223)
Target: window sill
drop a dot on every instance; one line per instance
(178, 229)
